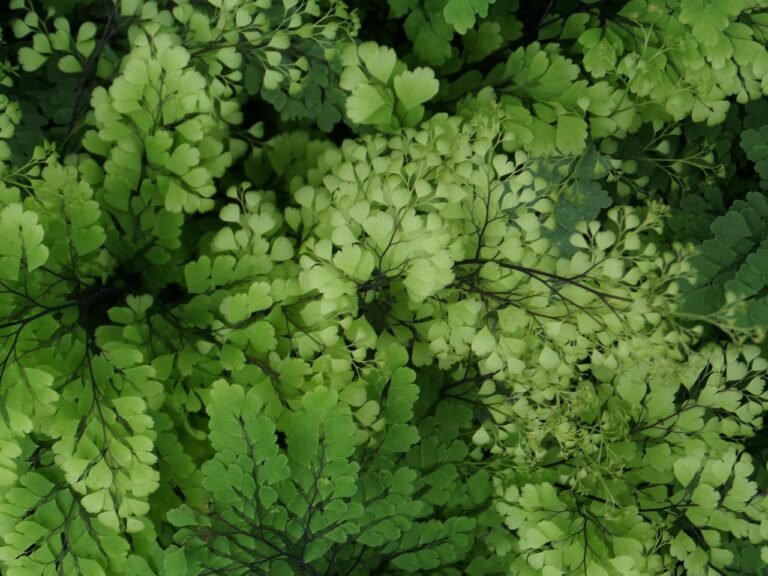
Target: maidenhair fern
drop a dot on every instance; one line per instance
(732, 262)
(313, 287)
(331, 499)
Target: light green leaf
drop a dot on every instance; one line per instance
(686, 468)
(30, 60)
(272, 79)
(95, 501)
(379, 227)
(70, 64)
(282, 249)
(379, 60)
(416, 87)
(230, 213)
(173, 58)
(232, 358)
(571, 134)
(135, 72)
(86, 31)
(235, 308)
(100, 476)
(259, 297)
(156, 147)
(705, 496)
(483, 343)
(533, 538)
(367, 105)
(20, 29)
(89, 567)
(548, 358)
(182, 159)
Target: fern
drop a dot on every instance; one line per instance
(732, 261)
(329, 500)
(286, 289)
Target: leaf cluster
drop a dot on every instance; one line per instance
(324, 287)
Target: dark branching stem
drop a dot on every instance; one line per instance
(541, 274)
(111, 27)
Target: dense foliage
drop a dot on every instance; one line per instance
(325, 287)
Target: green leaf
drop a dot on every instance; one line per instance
(548, 358)
(70, 64)
(379, 226)
(20, 29)
(230, 213)
(730, 229)
(686, 469)
(175, 561)
(87, 31)
(413, 88)
(174, 58)
(680, 105)
(705, 496)
(95, 501)
(317, 549)
(157, 146)
(400, 438)
(182, 159)
(461, 14)
(574, 26)
(368, 105)
(379, 60)
(135, 72)
(235, 308)
(259, 297)
(571, 134)
(30, 60)
(533, 538)
(481, 43)
(431, 36)
(400, 8)
(282, 250)
(483, 343)
(197, 275)
(261, 336)
(272, 79)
